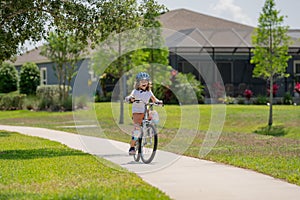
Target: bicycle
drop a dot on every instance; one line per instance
(147, 142)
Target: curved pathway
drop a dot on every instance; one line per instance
(180, 177)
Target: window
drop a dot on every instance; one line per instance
(43, 76)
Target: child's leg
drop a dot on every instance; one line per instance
(137, 120)
(134, 137)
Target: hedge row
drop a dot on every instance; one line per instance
(47, 99)
(12, 101)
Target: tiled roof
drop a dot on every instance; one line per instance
(185, 25)
(31, 56)
(181, 19)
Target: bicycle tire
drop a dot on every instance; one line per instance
(149, 142)
(137, 155)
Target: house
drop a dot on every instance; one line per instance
(227, 44)
(47, 72)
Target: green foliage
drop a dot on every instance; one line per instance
(8, 78)
(21, 21)
(287, 99)
(65, 49)
(31, 103)
(48, 91)
(261, 100)
(179, 88)
(271, 44)
(118, 20)
(11, 101)
(101, 98)
(229, 100)
(30, 161)
(67, 104)
(151, 10)
(49, 98)
(237, 145)
(272, 130)
(119, 17)
(29, 78)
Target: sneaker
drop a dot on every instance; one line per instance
(132, 151)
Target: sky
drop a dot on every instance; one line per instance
(241, 11)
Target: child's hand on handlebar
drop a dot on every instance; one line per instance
(132, 99)
(159, 102)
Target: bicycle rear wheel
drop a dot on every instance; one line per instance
(148, 144)
(137, 155)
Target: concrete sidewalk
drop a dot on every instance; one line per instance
(179, 176)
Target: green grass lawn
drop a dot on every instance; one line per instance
(35, 168)
(238, 145)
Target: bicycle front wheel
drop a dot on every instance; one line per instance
(137, 155)
(149, 144)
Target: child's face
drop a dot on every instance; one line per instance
(144, 84)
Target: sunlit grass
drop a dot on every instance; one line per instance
(34, 168)
(238, 144)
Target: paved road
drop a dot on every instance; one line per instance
(179, 176)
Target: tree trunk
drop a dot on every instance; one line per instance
(121, 95)
(271, 103)
(121, 85)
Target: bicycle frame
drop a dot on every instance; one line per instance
(148, 136)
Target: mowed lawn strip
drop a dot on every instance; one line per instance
(238, 145)
(35, 168)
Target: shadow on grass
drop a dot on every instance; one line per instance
(275, 131)
(4, 134)
(38, 153)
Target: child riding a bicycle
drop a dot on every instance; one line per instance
(142, 91)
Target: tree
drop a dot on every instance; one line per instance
(25, 20)
(65, 50)
(8, 78)
(119, 16)
(29, 78)
(158, 53)
(271, 44)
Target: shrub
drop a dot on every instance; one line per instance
(102, 98)
(184, 88)
(272, 130)
(261, 100)
(297, 87)
(11, 101)
(50, 98)
(31, 103)
(81, 102)
(275, 89)
(8, 78)
(287, 99)
(67, 104)
(229, 100)
(248, 94)
(29, 78)
(240, 100)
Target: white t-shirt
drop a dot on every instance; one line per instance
(142, 95)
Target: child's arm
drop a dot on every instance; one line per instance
(156, 100)
(130, 98)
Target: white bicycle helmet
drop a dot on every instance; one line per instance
(142, 76)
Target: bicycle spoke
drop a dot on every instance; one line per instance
(149, 145)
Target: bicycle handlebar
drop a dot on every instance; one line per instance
(150, 103)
